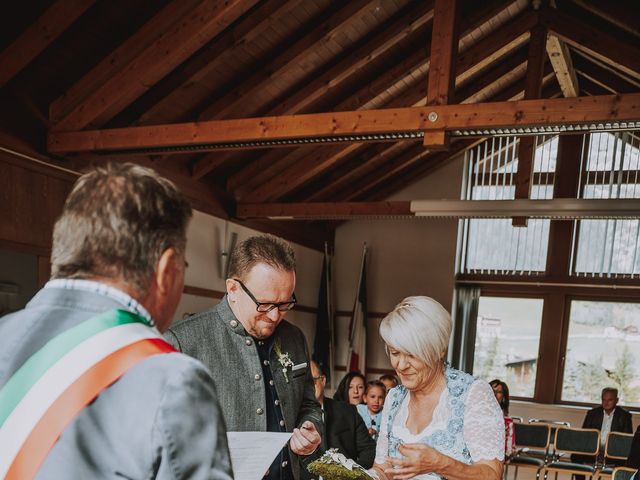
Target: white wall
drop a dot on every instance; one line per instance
(205, 239)
(407, 257)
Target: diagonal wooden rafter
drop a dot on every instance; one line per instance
(605, 78)
(55, 20)
(595, 42)
(622, 13)
(331, 22)
(560, 57)
(442, 65)
(532, 89)
(181, 40)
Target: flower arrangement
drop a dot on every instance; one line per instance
(283, 359)
(335, 466)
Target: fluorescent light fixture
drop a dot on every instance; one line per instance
(557, 208)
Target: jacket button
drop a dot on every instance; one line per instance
(259, 411)
(248, 342)
(284, 464)
(257, 376)
(233, 324)
(271, 382)
(266, 362)
(277, 402)
(282, 423)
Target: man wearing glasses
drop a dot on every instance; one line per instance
(259, 362)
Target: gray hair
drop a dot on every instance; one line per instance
(418, 326)
(116, 223)
(268, 249)
(609, 390)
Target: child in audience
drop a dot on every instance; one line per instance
(501, 391)
(371, 411)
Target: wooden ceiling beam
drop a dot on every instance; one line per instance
(319, 211)
(40, 34)
(560, 57)
(145, 109)
(288, 55)
(480, 55)
(595, 41)
(442, 65)
(176, 43)
(334, 125)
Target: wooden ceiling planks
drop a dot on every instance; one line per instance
(179, 42)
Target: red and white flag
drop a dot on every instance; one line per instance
(357, 353)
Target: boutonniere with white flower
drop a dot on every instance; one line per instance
(283, 359)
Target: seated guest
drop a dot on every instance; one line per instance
(633, 460)
(343, 427)
(608, 417)
(120, 402)
(440, 422)
(371, 409)
(501, 391)
(351, 388)
(390, 381)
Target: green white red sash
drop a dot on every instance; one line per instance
(47, 392)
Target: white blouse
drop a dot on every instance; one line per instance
(483, 429)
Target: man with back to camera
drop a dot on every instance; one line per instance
(608, 417)
(259, 361)
(118, 270)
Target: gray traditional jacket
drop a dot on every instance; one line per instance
(160, 420)
(218, 339)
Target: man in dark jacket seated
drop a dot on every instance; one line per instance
(608, 417)
(344, 428)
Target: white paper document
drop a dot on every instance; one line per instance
(252, 453)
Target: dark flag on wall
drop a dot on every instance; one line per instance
(323, 341)
(357, 354)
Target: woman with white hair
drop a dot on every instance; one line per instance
(441, 422)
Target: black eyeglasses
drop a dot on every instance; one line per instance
(265, 307)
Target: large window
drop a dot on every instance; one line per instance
(494, 245)
(603, 351)
(507, 340)
(610, 170)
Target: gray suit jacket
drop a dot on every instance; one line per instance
(160, 420)
(218, 339)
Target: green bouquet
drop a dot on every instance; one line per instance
(335, 466)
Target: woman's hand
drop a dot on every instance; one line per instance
(417, 459)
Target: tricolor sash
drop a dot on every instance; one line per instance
(49, 390)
